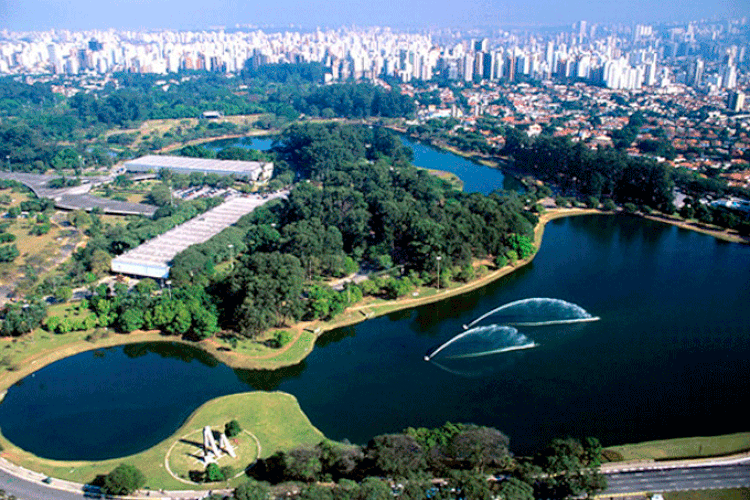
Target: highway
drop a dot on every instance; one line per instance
(678, 479)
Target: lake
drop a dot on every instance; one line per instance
(477, 178)
(668, 358)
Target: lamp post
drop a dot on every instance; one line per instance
(169, 288)
(7, 158)
(438, 258)
(231, 257)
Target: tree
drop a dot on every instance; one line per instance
(316, 492)
(479, 447)
(63, 293)
(570, 468)
(160, 195)
(302, 463)
(373, 488)
(8, 253)
(252, 490)
(123, 480)
(469, 484)
(396, 454)
(232, 428)
(214, 473)
(515, 489)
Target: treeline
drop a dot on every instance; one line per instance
(187, 312)
(360, 100)
(451, 462)
(15, 96)
(310, 72)
(140, 98)
(363, 205)
(604, 173)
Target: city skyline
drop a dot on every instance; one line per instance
(33, 15)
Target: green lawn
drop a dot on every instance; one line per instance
(733, 494)
(685, 447)
(274, 418)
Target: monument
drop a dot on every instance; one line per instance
(226, 445)
(212, 451)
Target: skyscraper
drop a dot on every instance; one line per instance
(736, 101)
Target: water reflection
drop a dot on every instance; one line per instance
(171, 350)
(269, 380)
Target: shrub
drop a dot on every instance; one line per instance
(213, 474)
(232, 428)
(123, 480)
(501, 261)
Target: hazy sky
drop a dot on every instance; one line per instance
(19, 15)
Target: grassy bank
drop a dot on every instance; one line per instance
(694, 447)
(275, 419)
(730, 494)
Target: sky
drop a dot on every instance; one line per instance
(28, 15)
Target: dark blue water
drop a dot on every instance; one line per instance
(670, 357)
(477, 178)
(260, 143)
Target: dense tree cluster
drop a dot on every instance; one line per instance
(463, 456)
(187, 311)
(370, 208)
(601, 173)
(36, 138)
(18, 318)
(139, 98)
(358, 100)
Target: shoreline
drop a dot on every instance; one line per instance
(235, 360)
(315, 329)
(351, 316)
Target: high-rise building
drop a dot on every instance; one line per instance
(695, 72)
(482, 45)
(736, 101)
(729, 77)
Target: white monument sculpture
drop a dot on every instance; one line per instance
(226, 445)
(212, 452)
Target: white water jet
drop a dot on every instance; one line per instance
(537, 312)
(530, 345)
(483, 341)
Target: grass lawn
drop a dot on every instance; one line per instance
(186, 453)
(274, 418)
(686, 447)
(733, 494)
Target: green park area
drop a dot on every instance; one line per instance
(270, 422)
(731, 494)
(693, 447)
